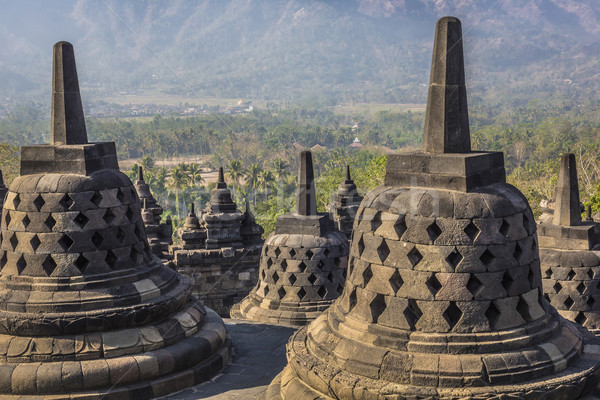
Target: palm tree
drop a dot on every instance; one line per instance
(236, 171)
(266, 179)
(147, 163)
(177, 181)
(195, 173)
(252, 178)
(280, 167)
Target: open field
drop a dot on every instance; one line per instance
(208, 176)
(161, 98)
(372, 108)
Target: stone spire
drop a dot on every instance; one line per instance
(345, 205)
(220, 197)
(306, 200)
(348, 179)
(567, 211)
(447, 116)
(140, 173)
(191, 221)
(221, 181)
(68, 124)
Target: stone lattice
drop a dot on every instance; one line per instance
(160, 235)
(444, 296)
(303, 263)
(345, 205)
(87, 310)
(570, 254)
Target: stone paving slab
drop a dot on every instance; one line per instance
(259, 355)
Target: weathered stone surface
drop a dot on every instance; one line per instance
(345, 205)
(443, 298)
(82, 294)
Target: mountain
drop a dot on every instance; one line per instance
(293, 50)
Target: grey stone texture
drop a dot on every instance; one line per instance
(87, 310)
(443, 298)
(160, 235)
(345, 205)
(303, 263)
(570, 254)
(221, 250)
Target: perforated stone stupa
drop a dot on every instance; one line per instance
(345, 205)
(160, 235)
(443, 298)
(303, 263)
(569, 254)
(221, 250)
(87, 310)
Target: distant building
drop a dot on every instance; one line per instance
(356, 144)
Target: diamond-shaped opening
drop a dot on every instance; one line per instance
(433, 284)
(590, 302)
(376, 221)
(350, 266)
(472, 231)
(475, 286)
(25, 221)
(277, 251)
(352, 299)
(283, 265)
(39, 202)
(412, 313)
(487, 257)
(507, 280)
(361, 245)
(377, 307)
(14, 241)
(301, 293)
(281, 292)
(523, 309)
(414, 256)
(81, 220)
(108, 217)
(549, 273)
(81, 263)
(396, 281)
(322, 292)
(321, 264)
(581, 288)
(110, 259)
(292, 253)
(531, 278)
(400, 227)
(292, 278)
(518, 252)
(330, 277)
(35, 242)
(7, 219)
(557, 287)
(17, 201)
(66, 201)
(454, 258)
(3, 259)
(571, 274)
(504, 228)
(275, 276)
(312, 279)
(264, 275)
(65, 242)
(493, 315)
(301, 266)
(120, 235)
(340, 289)
(367, 275)
(21, 264)
(452, 315)
(129, 214)
(383, 251)
(97, 239)
(433, 231)
(96, 199)
(120, 195)
(326, 252)
(547, 297)
(266, 290)
(309, 254)
(50, 222)
(590, 273)
(580, 318)
(568, 302)
(269, 262)
(49, 265)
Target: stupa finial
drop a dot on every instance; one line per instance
(567, 211)
(221, 181)
(68, 123)
(447, 116)
(306, 201)
(348, 178)
(140, 173)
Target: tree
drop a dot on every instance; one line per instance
(252, 178)
(177, 181)
(236, 171)
(194, 171)
(280, 168)
(266, 179)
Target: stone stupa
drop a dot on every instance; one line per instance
(345, 205)
(444, 296)
(87, 310)
(570, 254)
(303, 263)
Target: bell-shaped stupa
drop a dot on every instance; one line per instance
(303, 263)
(569, 254)
(444, 296)
(345, 205)
(87, 310)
